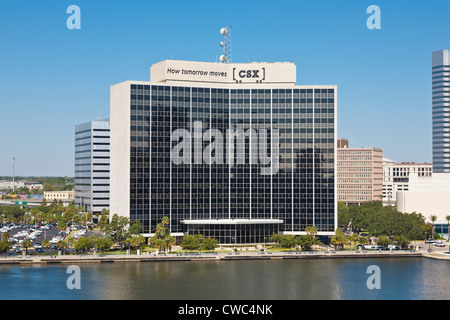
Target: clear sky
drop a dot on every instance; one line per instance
(53, 78)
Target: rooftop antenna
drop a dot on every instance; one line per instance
(226, 45)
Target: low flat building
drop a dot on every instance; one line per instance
(65, 196)
(428, 195)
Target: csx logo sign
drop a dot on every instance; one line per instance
(257, 75)
(248, 74)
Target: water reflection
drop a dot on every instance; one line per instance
(331, 279)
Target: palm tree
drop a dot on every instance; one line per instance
(354, 237)
(433, 219)
(363, 241)
(62, 244)
(5, 236)
(45, 244)
(26, 243)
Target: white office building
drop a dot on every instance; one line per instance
(429, 196)
(396, 177)
(92, 162)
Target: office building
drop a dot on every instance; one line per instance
(441, 111)
(359, 174)
(396, 177)
(92, 161)
(234, 151)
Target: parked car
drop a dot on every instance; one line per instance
(439, 244)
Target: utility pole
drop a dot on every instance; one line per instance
(14, 172)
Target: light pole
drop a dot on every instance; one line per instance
(233, 239)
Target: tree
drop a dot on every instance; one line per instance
(169, 241)
(306, 242)
(402, 241)
(5, 236)
(339, 239)
(5, 245)
(354, 237)
(45, 244)
(311, 230)
(137, 241)
(103, 243)
(284, 240)
(54, 203)
(26, 243)
(62, 225)
(103, 221)
(275, 238)
(210, 244)
(162, 237)
(433, 219)
(63, 245)
(343, 215)
(383, 241)
(84, 244)
(363, 241)
(117, 229)
(190, 242)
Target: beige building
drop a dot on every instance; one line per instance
(59, 195)
(428, 195)
(359, 174)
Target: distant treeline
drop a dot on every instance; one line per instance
(49, 183)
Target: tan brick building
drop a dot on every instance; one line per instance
(359, 173)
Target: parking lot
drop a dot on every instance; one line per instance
(37, 233)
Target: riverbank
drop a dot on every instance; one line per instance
(437, 255)
(78, 259)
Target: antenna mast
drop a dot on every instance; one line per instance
(226, 57)
(14, 172)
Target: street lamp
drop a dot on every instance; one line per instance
(233, 239)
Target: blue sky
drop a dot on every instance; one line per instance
(52, 78)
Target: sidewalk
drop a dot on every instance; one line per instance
(71, 259)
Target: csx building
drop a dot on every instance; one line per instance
(234, 151)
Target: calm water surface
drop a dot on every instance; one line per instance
(406, 278)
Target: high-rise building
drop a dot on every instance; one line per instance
(441, 111)
(359, 174)
(234, 151)
(92, 161)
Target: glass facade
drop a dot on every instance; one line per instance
(299, 193)
(441, 111)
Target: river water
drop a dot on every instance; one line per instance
(323, 279)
